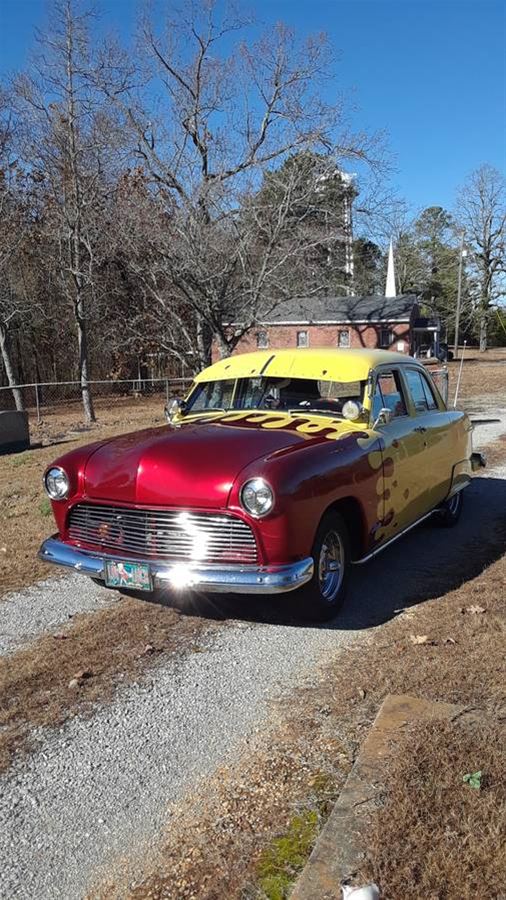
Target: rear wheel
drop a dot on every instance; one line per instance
(450, 511)
(321, 598)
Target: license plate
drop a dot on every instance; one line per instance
(128, 575)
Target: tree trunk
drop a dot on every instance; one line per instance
(76, 206)
(204, 343)
(223, 346)
(483, 333)
(21, 372)
(9, 370)
(84, 366)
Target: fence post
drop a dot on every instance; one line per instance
(459, 376)
(446, 382)
(37, 403)
(166, 390)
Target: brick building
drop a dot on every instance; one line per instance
(373, 322)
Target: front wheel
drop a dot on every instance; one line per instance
(322, 597)
(450, 511)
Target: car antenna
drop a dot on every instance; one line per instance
(459, 376)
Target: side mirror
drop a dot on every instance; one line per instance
(173, 407)
(383, 418)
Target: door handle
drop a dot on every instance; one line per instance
(420, 429)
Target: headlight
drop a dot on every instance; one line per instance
(257, 497)
(56, 483)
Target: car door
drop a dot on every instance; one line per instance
(432, 424)
(404, 483)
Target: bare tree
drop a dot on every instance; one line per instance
(208, 123)
(67, 139)
(12, 232)
(481, 213)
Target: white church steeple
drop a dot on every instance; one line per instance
(390, 290)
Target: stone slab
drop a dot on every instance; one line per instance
(14, 433)
(337, 854)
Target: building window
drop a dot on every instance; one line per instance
(262, 340)
(302, 339)
(386, 338)
(343, 338)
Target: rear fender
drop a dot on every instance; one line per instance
(461, 476)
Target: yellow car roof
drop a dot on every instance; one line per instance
(323, 364)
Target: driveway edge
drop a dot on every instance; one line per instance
(337, 854)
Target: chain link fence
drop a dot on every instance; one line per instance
(53, 396)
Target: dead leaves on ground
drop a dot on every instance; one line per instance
(421, 639)
(425, 640)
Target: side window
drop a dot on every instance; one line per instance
(420, 390)
(343, 338)
(389, 394)
(302, 339)
(262, 340)
(429, 393)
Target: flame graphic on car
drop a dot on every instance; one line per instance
(387, 488)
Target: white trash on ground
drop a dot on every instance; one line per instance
(368, 892)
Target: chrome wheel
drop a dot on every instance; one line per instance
(331, 565)
(449, 512)
(321, 598)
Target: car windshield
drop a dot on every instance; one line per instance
(294, 394)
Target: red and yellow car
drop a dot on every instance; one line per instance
(278, 470)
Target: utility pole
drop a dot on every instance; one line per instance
(459, 295)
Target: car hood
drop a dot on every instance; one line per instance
(191, 464)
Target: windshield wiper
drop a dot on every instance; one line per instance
(302, 410)
(204, 412)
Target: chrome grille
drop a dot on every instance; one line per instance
(167, 534)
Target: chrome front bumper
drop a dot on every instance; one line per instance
(217, 579)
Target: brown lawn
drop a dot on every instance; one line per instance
(25, 513)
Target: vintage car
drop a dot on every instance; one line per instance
(278, 470)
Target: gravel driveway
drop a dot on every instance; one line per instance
(46, 605)
(98, 789)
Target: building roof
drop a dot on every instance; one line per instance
(340, 310)
(325, 364)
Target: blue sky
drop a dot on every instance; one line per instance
(432, 72)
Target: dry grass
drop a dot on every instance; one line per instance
(25, 516)
(62, 674)
(496, 452)
(436, 836)
(483, 374)
(217, 841)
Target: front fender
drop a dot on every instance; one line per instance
(307, 480)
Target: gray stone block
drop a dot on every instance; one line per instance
(14, 434)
